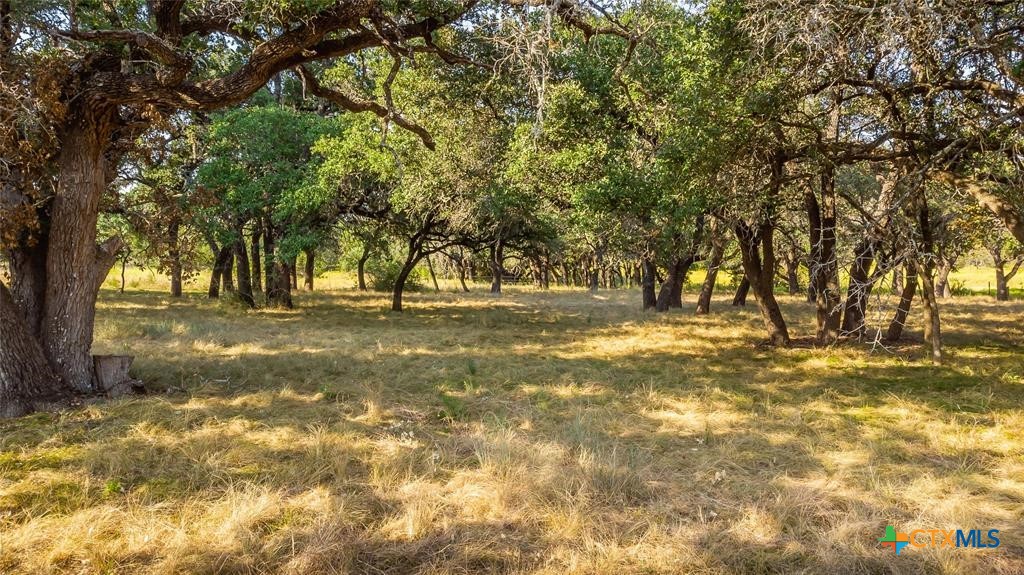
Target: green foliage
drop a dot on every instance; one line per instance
(384, 273)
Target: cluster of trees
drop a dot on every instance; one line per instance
(574, 142)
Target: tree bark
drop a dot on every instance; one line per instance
(647, 282)
(221, 263)
(899, 320)
(241, 258)
(278, 282)
(925, 271)
(793, 271)
(497, 257)
(227, 277)
(254, 246)
(174, 255)
(75, 268)
(823, 266)
(26, 376)
(433, 276)
(412, 258)
(740, 299)
(859, 289)
(708, 288)
(361, 267)
(595, 271)
(942, 288)
(309, 269)
(671, 293)
(759, 266)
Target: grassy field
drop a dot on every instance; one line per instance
(556, 433)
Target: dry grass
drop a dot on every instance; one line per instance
(544, 433)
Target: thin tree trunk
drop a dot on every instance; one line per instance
(942, 288)
(708, 288)
(221, 264)
(925, 271)
(462, 276)
(932, 333)
(647, 283)
(413, 257)
(309, 269)
(254, 246)
(1002, 286)
(174, 254)
(433, 277)
(361, 267)
(497, 253)
(899, 320)
(227, 278)
(244, 281)
(793, 271)
(124, 265)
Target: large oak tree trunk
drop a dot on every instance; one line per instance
(75, 268)
(47, 318)
(26, 376)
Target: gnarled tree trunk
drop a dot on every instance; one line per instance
(759, 267)
(823, 266)
(25, 374)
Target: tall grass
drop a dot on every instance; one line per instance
(536, 433)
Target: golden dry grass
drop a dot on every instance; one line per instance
(542, 433)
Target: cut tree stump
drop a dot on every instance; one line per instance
(112, 375)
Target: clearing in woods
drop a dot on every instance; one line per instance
(553, 432)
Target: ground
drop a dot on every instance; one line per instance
(540, 432)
